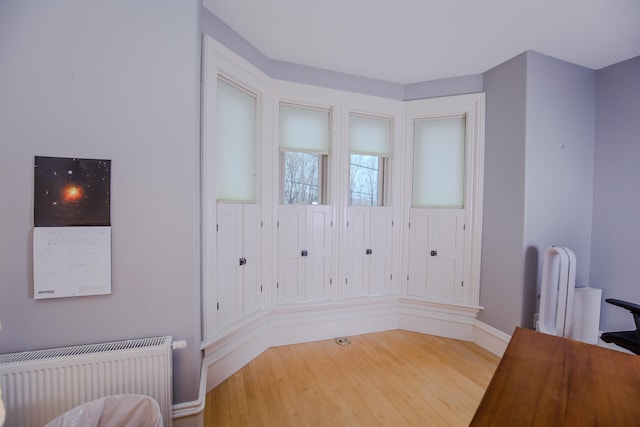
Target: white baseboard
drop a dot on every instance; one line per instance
(490, 338)
(292, 324)
(230, 352)
(434, 318)
(298, 324)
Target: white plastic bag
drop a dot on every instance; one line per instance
(122, 410)
(2, 413)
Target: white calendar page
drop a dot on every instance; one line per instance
(71, 261)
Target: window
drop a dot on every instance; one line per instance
(369, 146)
(304, 149)
(302, 173)
(364, 180)
(438, 162)
(236, 143)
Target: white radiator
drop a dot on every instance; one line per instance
(37, 386)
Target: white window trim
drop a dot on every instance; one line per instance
(472, 106)
(219, 61)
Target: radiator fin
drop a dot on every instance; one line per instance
(83, 349)
(39, 385)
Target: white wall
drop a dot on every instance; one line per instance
(114, 80)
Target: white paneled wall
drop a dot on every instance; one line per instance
(333, 253)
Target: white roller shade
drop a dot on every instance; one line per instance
(438, 162)
(237, 143)
(304, 129)
(369, 135)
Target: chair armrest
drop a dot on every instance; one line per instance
(634, 308)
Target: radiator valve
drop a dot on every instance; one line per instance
(178, 345)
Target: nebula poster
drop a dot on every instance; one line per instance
(72, 192)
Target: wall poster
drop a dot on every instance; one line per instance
(72, 234)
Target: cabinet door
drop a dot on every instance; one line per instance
(230, 289)
(318, 246)
(380, 243)
(358, 230)
(418, 252)
(436, 253)
(369, 230)
(291, 241)
(252, 270)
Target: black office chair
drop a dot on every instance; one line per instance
(625, 339)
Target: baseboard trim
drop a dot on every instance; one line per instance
(435, 318)
(297, 324)
(233, 348)
(490, 338)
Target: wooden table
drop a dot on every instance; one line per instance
(543, 380)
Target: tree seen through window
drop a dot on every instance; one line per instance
(363, 180)
(301, 178)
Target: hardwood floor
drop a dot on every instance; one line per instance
(393, 378)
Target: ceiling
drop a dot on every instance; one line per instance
(410, 41)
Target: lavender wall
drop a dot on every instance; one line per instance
(444, 87)
(214, 27)
(560, 139)
(502, 270)
(114, 80)
(538, 179)
(616, 238)
(331, 79)
(221, 32)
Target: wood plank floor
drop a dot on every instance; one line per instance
(392, 378)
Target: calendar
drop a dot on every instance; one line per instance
(71, 261)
